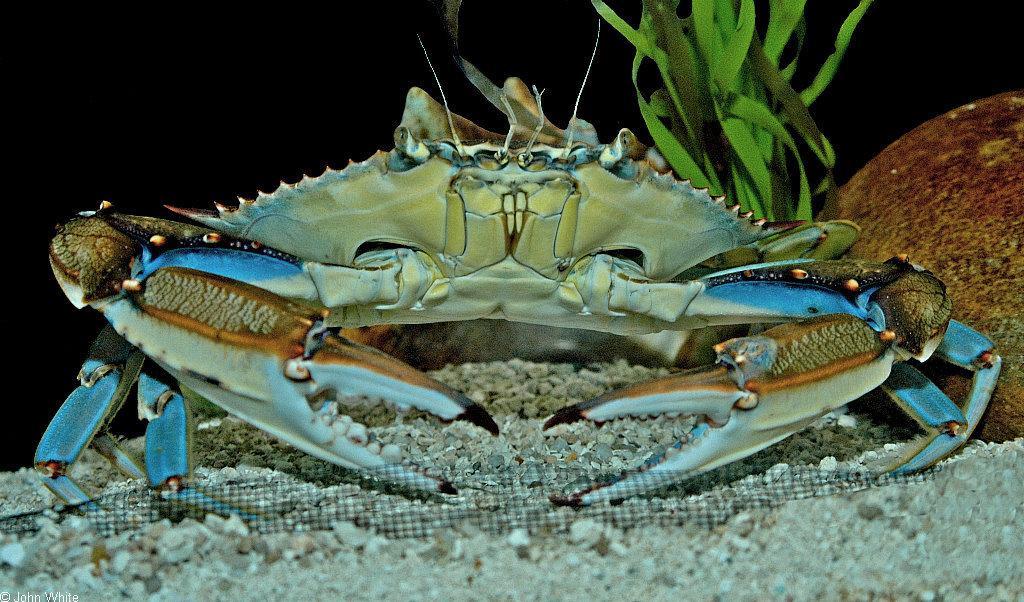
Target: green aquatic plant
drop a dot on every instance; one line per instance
(727, 116)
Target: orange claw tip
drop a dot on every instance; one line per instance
(174, 484)
(52, 469)
(985, 359)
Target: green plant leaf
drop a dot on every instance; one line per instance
(744, 147)
(792, 106)
(783, 18)
(671, 148)
(801, 32)
(759, 115)
(727, 116)
(735, 52)
(828, 70)
(709, 43)
(633, 36)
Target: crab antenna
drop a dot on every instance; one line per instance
(540, 123)
(512, 123)
(451, 122)
(572, 121)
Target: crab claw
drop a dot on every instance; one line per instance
(271, 362)
(763, 389)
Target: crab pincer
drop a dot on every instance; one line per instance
(261, 357)
(762, 389)
(278, 368)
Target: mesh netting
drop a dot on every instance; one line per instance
(493, 505)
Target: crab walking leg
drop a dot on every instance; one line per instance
(763, 389)
(968, 349)
(168, 434)
(107, 446)
(947, 427)
(169, 448)
(106, 378)
(812, 240)
(270, 361)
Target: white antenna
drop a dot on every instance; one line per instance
(512, 123)
(451, 122)
(540, 124)
(572, 121)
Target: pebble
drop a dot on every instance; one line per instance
(83, 577)
(120, 561)
(12, 554)
(519, 538)
(775, 472)
(156, 557)
(869, 511)
(176, 545)
(585, 531)
(351, 535)
(601, 452)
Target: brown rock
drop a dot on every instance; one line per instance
(951, 194)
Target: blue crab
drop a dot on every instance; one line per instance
(541, 225)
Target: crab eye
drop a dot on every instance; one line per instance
(627, 140)
(411, 148)
(401, 136)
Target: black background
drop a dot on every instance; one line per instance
(185, 107)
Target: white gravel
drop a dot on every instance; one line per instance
(956, 535)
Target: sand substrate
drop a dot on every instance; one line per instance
(958, 533)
